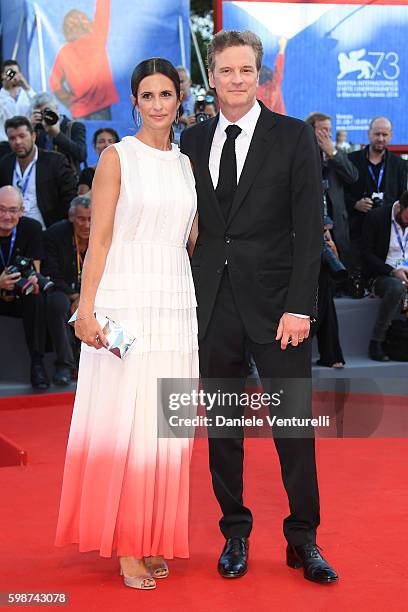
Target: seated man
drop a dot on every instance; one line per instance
(21, 236)
(45, 178)
(385, 259)
(66, 243)
(62, 135)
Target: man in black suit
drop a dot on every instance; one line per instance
(66, 243)
(384, 254)
(337, 171)
(382, 178)
(22, 237)
(256, 265)
(45, 178)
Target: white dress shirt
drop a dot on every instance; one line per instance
(247, 123)
(395, 256)
(30, 192)
(10, 107)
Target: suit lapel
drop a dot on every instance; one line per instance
(210, 128)
(260, 145)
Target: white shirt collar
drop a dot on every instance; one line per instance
(247, 123)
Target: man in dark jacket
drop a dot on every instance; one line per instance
(382, 179)
(385, 259)
(66, 243)
(45, 178)
(64, 136)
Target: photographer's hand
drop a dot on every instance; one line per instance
(36, 118)
(34, 281)
(364, 205)
(21, 81)
(401, 274)
(7, 281)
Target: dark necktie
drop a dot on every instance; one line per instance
(227, 178)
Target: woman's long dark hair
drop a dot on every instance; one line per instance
(155, 65)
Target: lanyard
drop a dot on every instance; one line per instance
(402, 246)
(79, 261)
(380, 176)
(23, 182)
(12, 241)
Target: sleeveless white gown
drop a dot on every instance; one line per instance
(124, 489)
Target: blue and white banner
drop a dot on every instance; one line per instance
(84, 51)
(346, 60)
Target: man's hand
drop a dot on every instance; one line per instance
(36, 118)
(20, 80)
(364, 205)
(7, 281)
(325, 142)
(191, 120)
(402, 275)
(34, 281)
(295, 328)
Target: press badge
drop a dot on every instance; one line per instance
(402, 263)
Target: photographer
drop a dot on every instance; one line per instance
(204, 108)
(21, 297)
(382, 179)
(384, 253)
(15, 98)
(56, 132)
(66, 243)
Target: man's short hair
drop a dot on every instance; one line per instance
(9, 62)
(370, 125)
(404, 200)
(233, 38)
(81, 200)
(314, 117)
(183, 69)
(18, 121)
(43, 98)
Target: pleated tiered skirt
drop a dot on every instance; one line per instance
(125, 489)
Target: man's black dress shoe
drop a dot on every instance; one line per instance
(39, 378)
(376, 351)
(233, 562)
(315, 567)
(62, 376)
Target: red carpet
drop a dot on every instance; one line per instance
(364, 498)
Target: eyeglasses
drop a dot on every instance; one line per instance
(10, 211)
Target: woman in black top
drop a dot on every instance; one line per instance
(102, 138)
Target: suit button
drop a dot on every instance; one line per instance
(227, 239)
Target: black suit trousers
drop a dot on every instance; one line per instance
(223, 355)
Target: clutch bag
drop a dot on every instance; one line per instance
(119, 340)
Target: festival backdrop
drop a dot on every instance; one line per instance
(84, 51)
(348, 60)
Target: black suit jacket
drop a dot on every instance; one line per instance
(375, 242)
(394, 182)
(55, 183)
(273, 236)
(60, 256)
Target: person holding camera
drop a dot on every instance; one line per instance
(45, 178)
(15, 98)
(382, 178)
(57, 132)
(21, 251)
(384, 252)
(66, 243)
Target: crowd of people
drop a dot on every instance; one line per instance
(45, 214)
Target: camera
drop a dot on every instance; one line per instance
(336, 269)
(199, 108)
(377, 199)
(49, 117)
(25, 266)
(10, 74)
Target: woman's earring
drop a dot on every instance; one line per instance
(177, 116)
(138, 119)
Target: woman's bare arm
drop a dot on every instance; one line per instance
(192, 239)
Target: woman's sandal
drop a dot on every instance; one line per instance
(145, 582)
(158, 569)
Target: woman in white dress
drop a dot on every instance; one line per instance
(124, 489)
